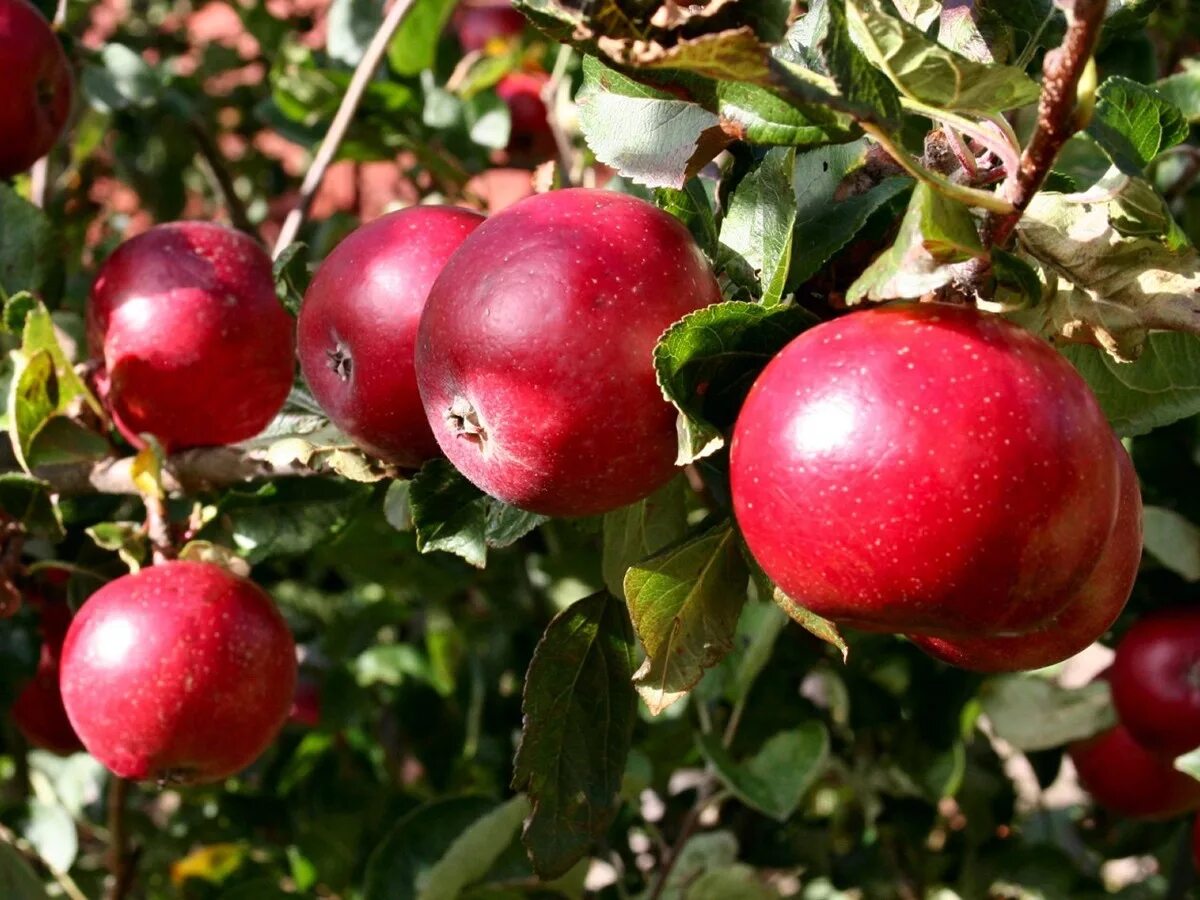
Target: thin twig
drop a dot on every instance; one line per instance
(119, 866)
(60, 14)
(341, 121)
(158, 528)
(1057, 121)
(216, 169)
(550, 91)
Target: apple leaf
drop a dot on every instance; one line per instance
(693, 207)
(350, 24)
(739, 880)
(707, 361)
(638, 531)
(1172, 540)
(928, 73)
(685, 604)
(1160, 387)
(759, 221)
(18, 881)
(26, 244)
(816, 625)
(1182, 90)
(579, 710)
(1116, 278)
(292, 275)
(1189, 763)
(451, 514)
(866, 92)
(121, 80)
(758, 115)
(758, 628)
(1133, 123)
(936, 235)
(829, 212)
(126, 539)
(414, 47)
(1034, 713)
(775, 779)
(711, 851)
(28, 500)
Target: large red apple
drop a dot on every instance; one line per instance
(38, 711)
(358, 327)
(1127, 778)
(926, 469)
(36, 96)
(477, 24)
(195, 345)
(181, 673)
(1086, 617)
(1156, 680)
(534, 355)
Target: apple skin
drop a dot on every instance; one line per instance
(476, 25)
(531, 140)
(1125, 777)
(924, 469)
(534, 354)
(358, 328)
(37, 87)
(38, 711)
(195, 345)
(1089, 614)
(182, 673)
(1156, 680)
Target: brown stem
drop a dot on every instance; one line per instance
(120, 863)
(158, 529)
(1056, 120)
(189, 472)
(217, 170)
(341, 121)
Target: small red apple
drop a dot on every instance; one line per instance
(477, 24)
(925, 469)
(38, 711)
(306, 704)
(1156, 680)
(36, 97)
(1127, 778)
(534, 354)
(1089, 614)
(182, 673)
(358, 327)
(196, 347)
(531, 139)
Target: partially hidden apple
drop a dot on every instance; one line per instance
(182, 673)
(35, 99)
(925, 469)
(479, 24)
(38, 711)
(196, 348)
(530, 139)
(1155, 680)
(535, 350)
(1129, 779)
(1086, 617)
(357, 328)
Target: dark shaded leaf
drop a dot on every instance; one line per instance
(638, 531)
(775, 779)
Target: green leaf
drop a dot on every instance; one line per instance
(776, 778)
(761, 117)
(1160, 387)
(290, 269)
(759, 626)
(579, 710)
(127, 539)
(451, 514)
(638, 531)
(826, 218)
(32, 401)
(1134, 123)
(693, 208)
(488, 120)
(16, 309)
(28, 500)
(685, 604)
(707, 361)
(865, 91)
(648, 135)
(410, 862)
(121, 80)
(759, 220)
(51, 831)
(414, 47)
(18, 881)
(816, 625)
(1182, 91)
(739, 881)
(936, 234)
(1189, 763)
(350, 25)
(1033, 713)
(27, 247)
(928, 73)
(708, 852)
(1172, 540)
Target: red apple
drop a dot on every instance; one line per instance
(530, 140)
(196, 347)
(534, 354)
(358, 327)
(1127, 778)
(306, 704)
(1089, 614)
(925, 469)
(38, 711)
(182, 673)
(1156, 680)
(36, 98)
(478, 24)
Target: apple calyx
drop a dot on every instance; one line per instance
(463, 419)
